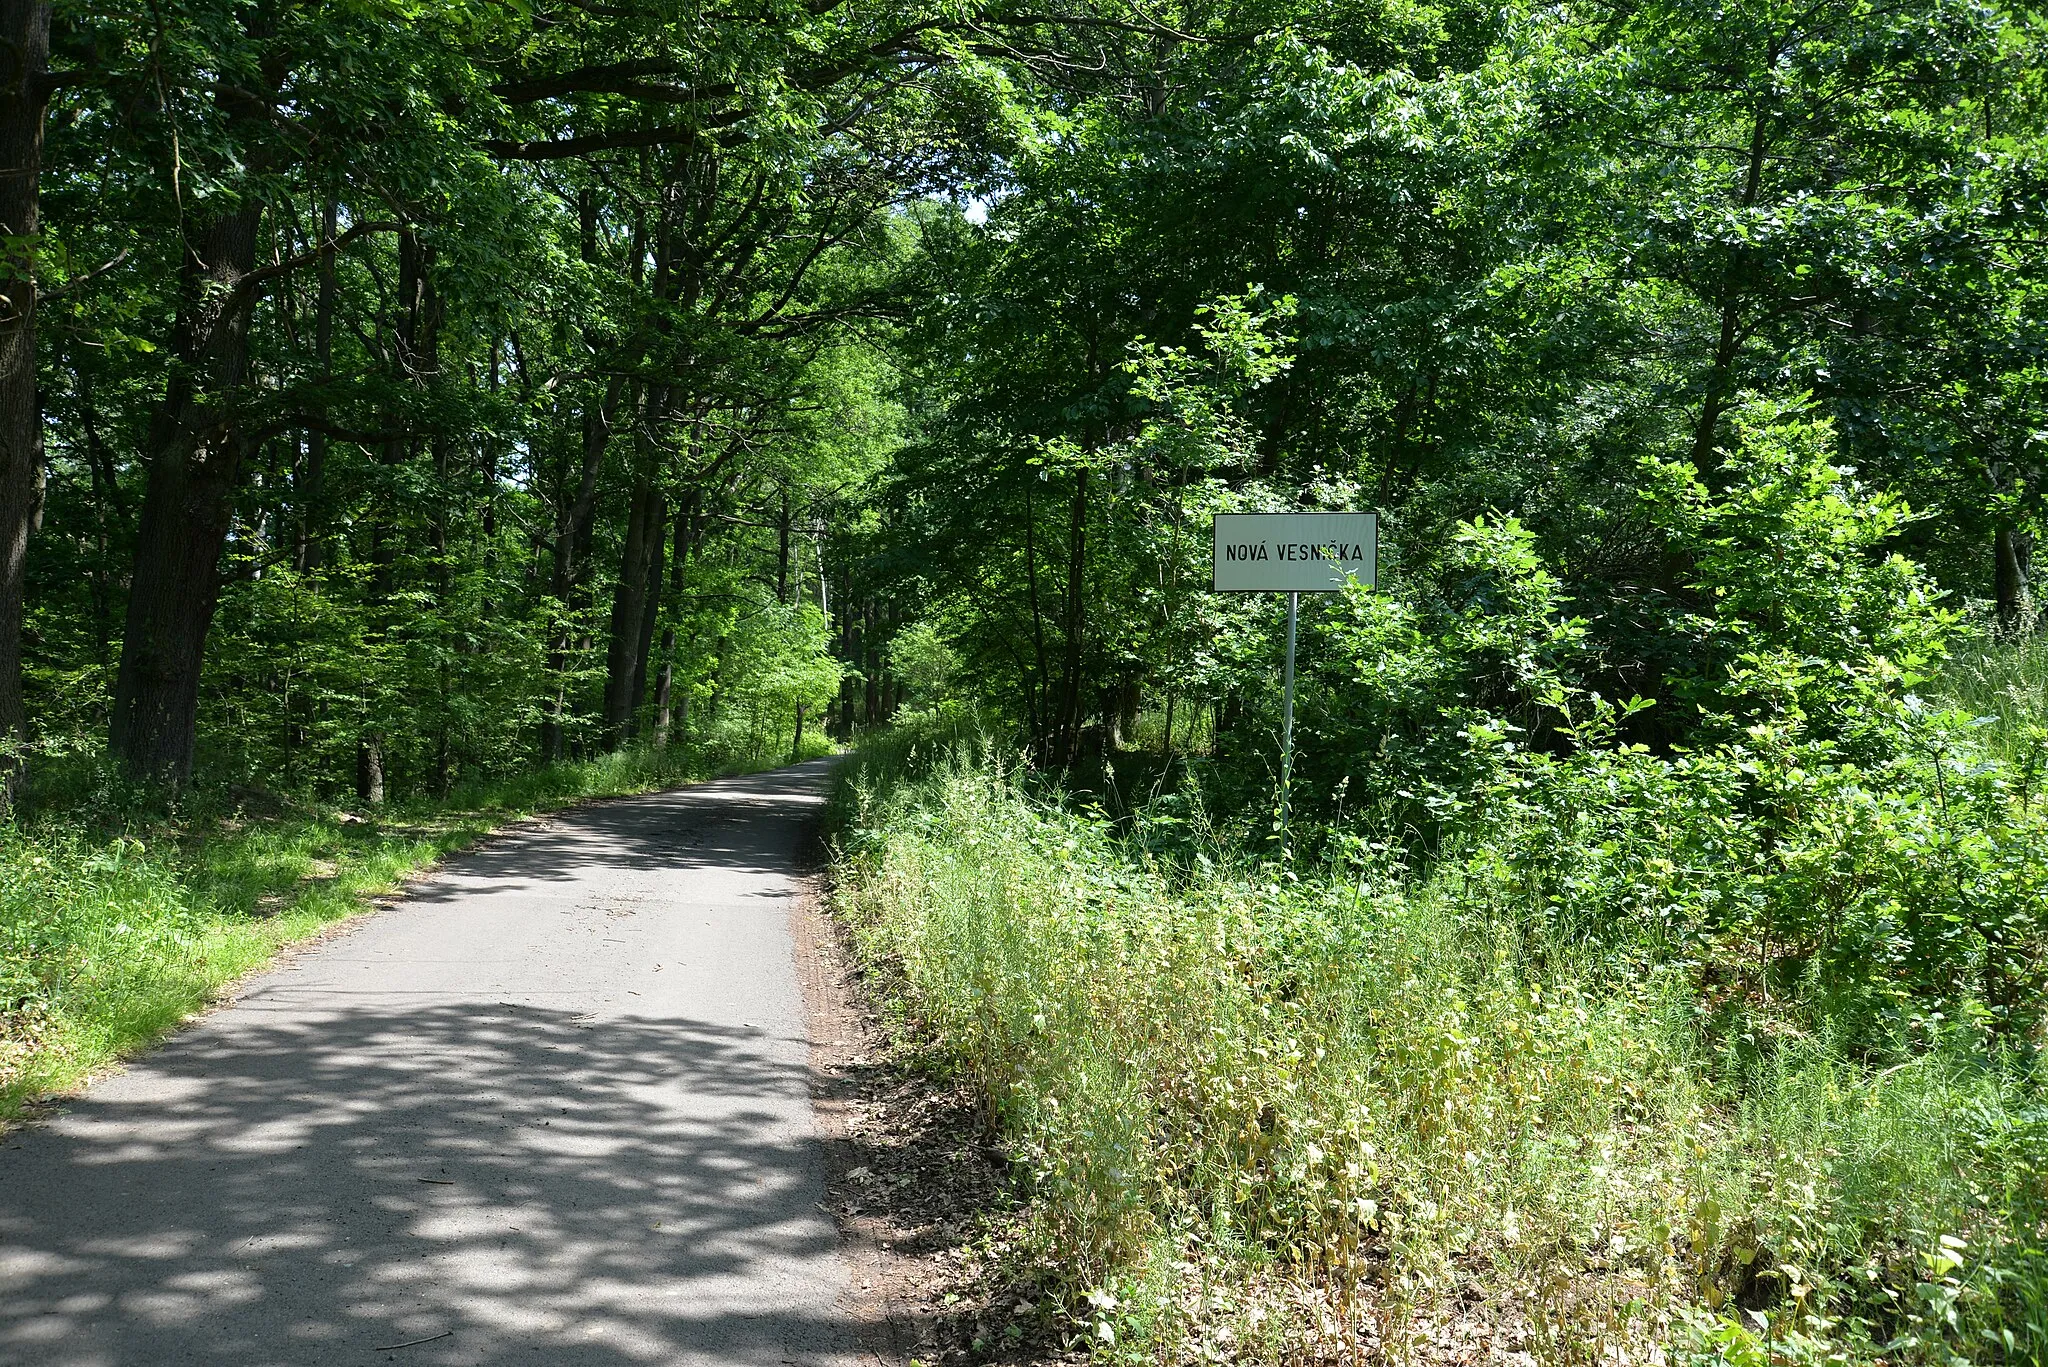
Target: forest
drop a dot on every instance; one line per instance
(418, 411)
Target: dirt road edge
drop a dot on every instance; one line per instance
(923, 1204)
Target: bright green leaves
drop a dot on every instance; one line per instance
(1800, 612)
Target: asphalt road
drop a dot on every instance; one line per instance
(552, 1108)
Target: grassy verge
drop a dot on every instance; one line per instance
(113, 932)
(1270, 1118)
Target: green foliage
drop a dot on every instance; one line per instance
(1717, 1030)
(505, 395)
(1807, 621)
(1547, 1089)
(920, 657)
(1551, 265)
(1790, 626)
(781, 670)
(1441, 684)
(1665, 899)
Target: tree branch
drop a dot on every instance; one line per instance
(582, 145)
(249, 285)
(78, 280)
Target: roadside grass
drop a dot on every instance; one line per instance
(116, 923)
(1269, 1117)
(2006, 685)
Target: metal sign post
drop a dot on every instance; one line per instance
(1287, 726)
(1292, 553)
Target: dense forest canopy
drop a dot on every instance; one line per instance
(398, 391)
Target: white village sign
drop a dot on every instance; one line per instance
(1293, 553)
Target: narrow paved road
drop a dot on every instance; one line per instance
(550, 1109)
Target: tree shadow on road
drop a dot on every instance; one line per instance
(537, 1186)
(741, 826)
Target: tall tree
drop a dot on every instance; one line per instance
(25, 86)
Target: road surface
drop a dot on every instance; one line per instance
(551, 1108)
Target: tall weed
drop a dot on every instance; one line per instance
(1401, 1094)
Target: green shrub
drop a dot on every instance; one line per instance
(1550, 1073)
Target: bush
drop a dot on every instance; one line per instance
(1786, 625)
(1719, 1049)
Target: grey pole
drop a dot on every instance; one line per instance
(1287, 726)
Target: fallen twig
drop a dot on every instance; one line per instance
(414, 1343)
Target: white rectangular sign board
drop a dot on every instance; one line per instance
(1294, 552)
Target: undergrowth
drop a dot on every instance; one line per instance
(1508, 1104)
(119, 919)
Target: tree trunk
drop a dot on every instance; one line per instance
(487, 468)
(413, 343)
(1041, 722)
(824, 582)
(444, 761)
(796, 747)
(107, 506)
(650, 612)
(24, 94)
(370, 768)
(664, 685)
(1124, 731)
(552, 730)
(412, 331)
(892, 682)
(194, 451)
(573, 519)
(685, 539)
(1715, 401)
(1077, 565)
(645, 523)
(782, 550)
(871, 669)
(2013, 552)
(849, 651)
(311, 497)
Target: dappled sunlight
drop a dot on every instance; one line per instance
(532, 1148)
